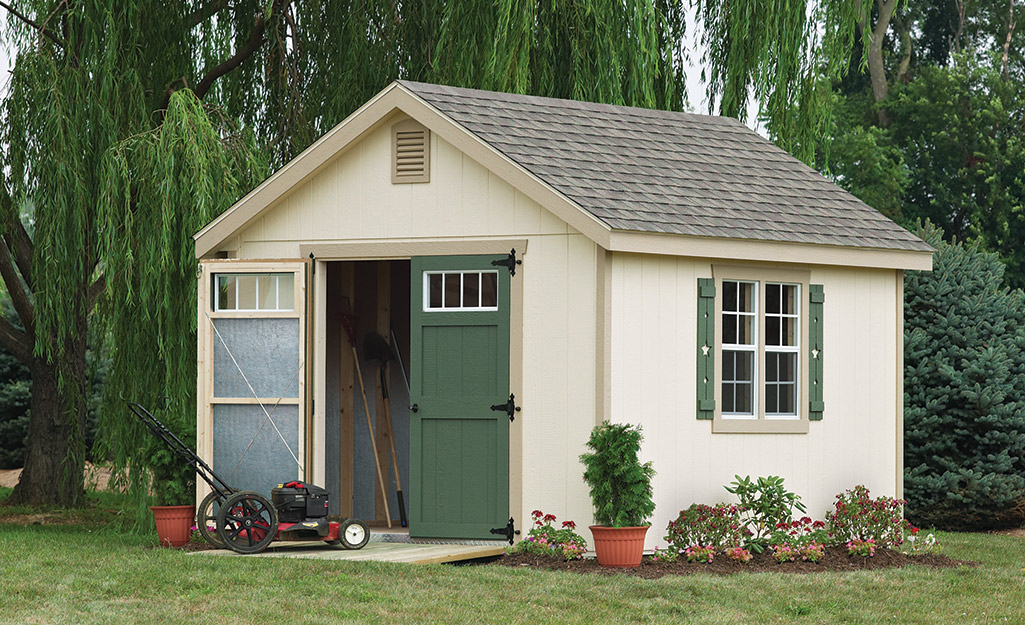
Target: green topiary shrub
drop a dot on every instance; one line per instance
(964, 391)
(620, 483)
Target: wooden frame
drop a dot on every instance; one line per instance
(205, 399)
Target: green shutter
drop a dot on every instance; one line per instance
(706, 348)
(816, 405)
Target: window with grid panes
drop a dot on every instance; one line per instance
(760, 349)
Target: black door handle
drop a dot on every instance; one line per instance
(415, 408)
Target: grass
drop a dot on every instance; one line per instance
(93, 572)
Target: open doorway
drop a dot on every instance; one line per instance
(377, 296)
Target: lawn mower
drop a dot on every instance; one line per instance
(246, 521)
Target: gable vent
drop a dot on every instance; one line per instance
(411, 152)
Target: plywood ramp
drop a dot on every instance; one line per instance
(374, 552)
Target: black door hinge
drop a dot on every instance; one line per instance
(508, 407)
(509, 262)
(508, 531)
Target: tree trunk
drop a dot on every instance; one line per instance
(55, 457)
(876, 69)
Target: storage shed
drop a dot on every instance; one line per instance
(539, 266)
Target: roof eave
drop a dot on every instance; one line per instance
(757, 250)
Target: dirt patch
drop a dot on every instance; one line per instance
(96, 477)
(836, 559)
(43, 518)
(197, 544)
(1018, 532)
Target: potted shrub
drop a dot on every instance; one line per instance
(620, 491)
(174, 489)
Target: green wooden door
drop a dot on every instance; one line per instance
(459, 369)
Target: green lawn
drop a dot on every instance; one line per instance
(95, 573)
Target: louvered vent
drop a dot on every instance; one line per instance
(411, 152)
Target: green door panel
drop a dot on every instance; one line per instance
(459, 447)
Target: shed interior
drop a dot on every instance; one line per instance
(377, 295)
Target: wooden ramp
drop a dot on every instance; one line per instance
(410, 553)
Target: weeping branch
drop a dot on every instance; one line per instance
(16, 342)
(205, 12)
(21, 248)
(24, 18)
(255, 41)
(92, 294)
(15, 287)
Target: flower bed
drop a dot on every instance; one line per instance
(834, 558)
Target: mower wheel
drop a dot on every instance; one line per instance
(206, 518)
(353, 534)
(247, 522)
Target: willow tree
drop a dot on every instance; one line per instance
(785, 54)
(109, 163)
(129, 124)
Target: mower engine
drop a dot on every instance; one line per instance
(298, 501)
(302, 512)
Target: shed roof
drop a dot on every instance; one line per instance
(646, 170)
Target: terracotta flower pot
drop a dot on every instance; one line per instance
(174, 524)
(619, 546)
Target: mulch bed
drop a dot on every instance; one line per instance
(836, 559)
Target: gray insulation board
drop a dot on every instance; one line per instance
(266, 350)
(268, 461)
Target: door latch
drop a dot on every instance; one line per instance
(508, 407)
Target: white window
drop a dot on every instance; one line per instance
(249, 292)
(761, 385)
(739, 348)
(782, 355)
(460, 290)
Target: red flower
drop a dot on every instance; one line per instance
(549, 518)
(914, 530)
(536, 513)
(569, 524)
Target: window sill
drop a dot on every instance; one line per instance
(759, 426)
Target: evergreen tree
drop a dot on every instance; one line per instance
(14, 398)
(964, 390)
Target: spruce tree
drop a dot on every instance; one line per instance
(964, 390)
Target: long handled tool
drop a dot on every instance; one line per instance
(402, 367)
(376, 347)
(349, 326)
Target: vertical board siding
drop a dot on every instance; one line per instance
(559, 322)
(654, 383)
(352, 199)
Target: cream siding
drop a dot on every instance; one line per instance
(351, 200)
(654, 312)
(589, 316)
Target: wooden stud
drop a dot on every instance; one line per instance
(383, 327)
(347, 402)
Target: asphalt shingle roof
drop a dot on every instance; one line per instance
(658, 171)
